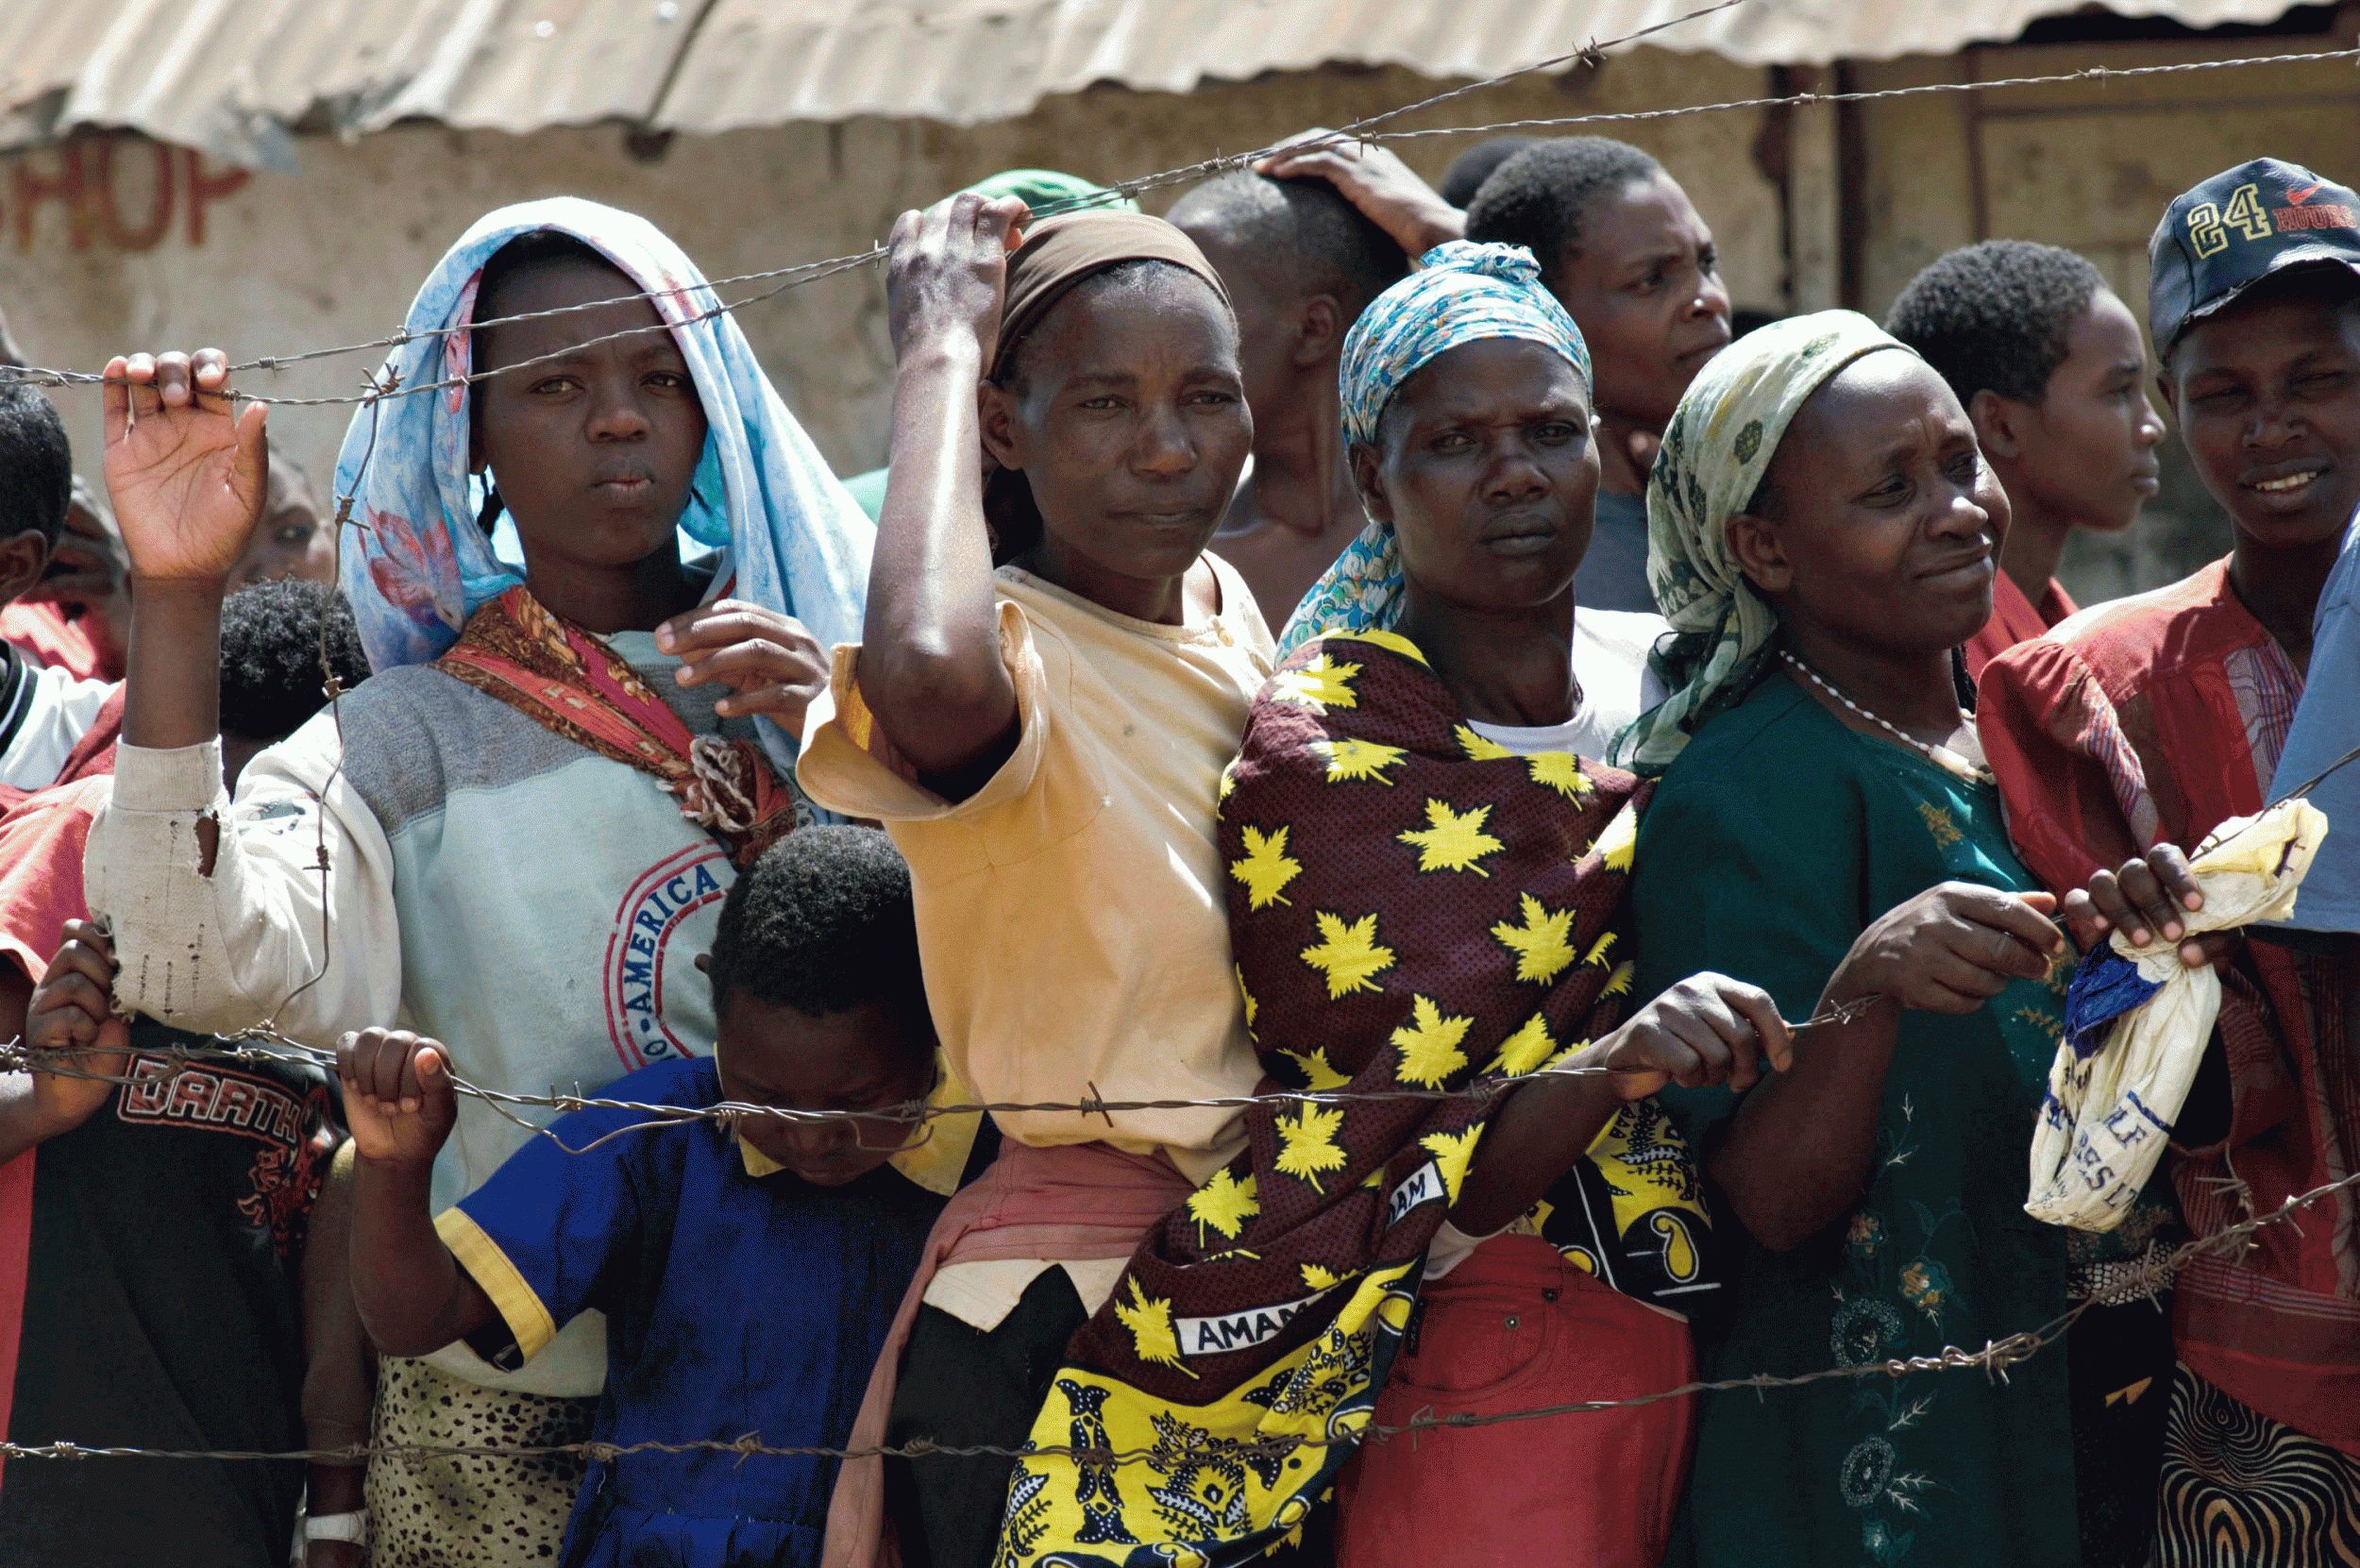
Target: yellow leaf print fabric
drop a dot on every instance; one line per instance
(1409, 911)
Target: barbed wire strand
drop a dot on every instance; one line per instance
(1591, 54)
(264, 1043)
(2143, 1280)
(1362, 132)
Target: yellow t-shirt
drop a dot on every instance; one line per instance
(1071, 913)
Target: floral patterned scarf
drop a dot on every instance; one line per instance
(570, 682)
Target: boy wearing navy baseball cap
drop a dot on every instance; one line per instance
(2134, 729)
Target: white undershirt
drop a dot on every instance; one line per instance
(1610, 666)
(59, 710)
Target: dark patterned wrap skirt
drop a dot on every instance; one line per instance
(2240, 1488)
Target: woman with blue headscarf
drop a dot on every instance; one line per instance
(517, 834)
(1425, 894)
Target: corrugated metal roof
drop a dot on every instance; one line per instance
(758, 61)
(234, 76)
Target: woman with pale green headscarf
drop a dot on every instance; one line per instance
(1822, 536)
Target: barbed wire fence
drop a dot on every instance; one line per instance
(2140, 1280)
(782, 278)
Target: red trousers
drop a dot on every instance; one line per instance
(1513, 1327)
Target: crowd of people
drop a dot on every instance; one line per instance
(1500, 839)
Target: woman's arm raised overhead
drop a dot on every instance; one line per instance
(220, 932)
(929, 668)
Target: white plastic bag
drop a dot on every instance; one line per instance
(2109, 1115)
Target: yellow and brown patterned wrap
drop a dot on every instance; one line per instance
(1412, 907)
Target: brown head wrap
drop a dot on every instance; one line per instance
(1059, 252)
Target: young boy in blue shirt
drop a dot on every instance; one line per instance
(747, 1275)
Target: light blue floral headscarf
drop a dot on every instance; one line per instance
(1715, 450)
(415, 565)
(1463, 293)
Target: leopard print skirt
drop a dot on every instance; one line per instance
(469, 1512)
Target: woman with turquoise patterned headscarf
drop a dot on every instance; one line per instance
(1822, 531)
(1415, 776)
(1462, 292)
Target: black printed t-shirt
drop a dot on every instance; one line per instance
(162, 1308)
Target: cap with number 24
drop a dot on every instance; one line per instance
(2236, 229)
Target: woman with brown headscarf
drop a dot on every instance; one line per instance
(1054, 677)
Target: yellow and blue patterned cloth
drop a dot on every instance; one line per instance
(1415, 911)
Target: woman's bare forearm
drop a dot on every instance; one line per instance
(1541, 1129)
(1799, 1151)
(171, 690)
(929, 668)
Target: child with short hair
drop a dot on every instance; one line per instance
(2127, 735)
(2049, 365)
(43, 709)
(282, 640)
(747, 1273)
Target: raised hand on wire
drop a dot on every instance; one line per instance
(929, 666)
(412, 1295)
(399, 1098)
(187, 470)
(186, 466)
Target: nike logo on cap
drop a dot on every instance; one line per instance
(2296, 198)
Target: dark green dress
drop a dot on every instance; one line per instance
(1773, 841)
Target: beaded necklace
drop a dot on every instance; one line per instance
(1940, 756)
